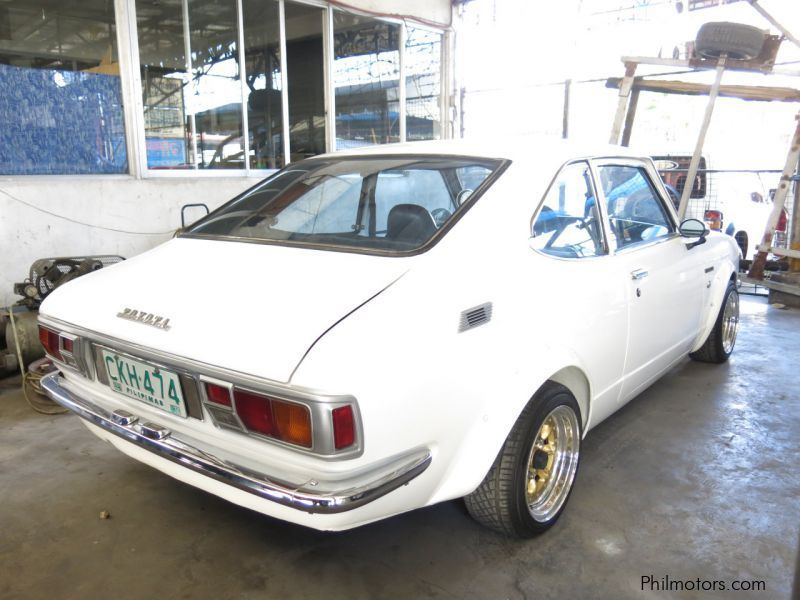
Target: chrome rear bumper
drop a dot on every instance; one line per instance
(312, 497)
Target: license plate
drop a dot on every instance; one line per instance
(146, 383)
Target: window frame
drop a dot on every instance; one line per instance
(486, 184)
(133, 116)
(599, 201)
(661, 195)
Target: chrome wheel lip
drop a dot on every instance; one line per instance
(730, 322)
(546, 504)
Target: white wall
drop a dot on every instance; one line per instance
(436, 11)
(118, 202)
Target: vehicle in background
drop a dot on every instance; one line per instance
(724, 204)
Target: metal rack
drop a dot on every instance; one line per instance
(631, 85)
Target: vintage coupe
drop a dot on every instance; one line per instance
(367, 333)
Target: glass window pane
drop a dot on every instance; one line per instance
(216, 101)
(305, 73)
(207, 100)
(165, 84)
(388, 203)
(366, 73)
(60, 94)
(263, 70)
(425, 186)
(635, 212)
(423, 67)
(568, 225)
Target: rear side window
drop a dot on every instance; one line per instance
(635, 211)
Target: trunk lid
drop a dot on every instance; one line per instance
(253, 308)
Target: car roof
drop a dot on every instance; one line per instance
(546, 150)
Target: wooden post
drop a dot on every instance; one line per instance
(622, 104)
(626, 133)
(760, 259)
(794, 240)
(698, 149)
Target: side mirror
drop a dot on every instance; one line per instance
(693, 228)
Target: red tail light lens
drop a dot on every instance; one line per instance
(782, 220)
(285, 421)
(218, 394)
(714, 219)
(49, 340)
(344, 427)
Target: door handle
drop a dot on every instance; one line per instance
(639, 274)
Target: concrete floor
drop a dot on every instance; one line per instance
(695, 478)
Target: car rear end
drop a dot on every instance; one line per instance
(280, 450)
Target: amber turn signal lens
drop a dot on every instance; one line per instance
(285, 421)
(292, 423)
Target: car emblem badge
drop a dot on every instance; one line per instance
(145, 318)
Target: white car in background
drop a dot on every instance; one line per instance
(745, 218)
(367, 333)
(735, 203)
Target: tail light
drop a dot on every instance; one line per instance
(344, 427)
(218, 394)
(50, 341)
(782, 220)
(713, 219)
(326, 428)
(285, 421)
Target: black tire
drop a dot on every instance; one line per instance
(738, 41)
(714, 349)
(742, 241)
(500, 501)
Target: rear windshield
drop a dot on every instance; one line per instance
(370, 203)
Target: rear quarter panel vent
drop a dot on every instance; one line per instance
(475, 316)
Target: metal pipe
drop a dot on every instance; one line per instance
(774, 21)
(243, 86)
(187, 48)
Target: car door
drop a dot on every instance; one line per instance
(664, 283)
(580, 306)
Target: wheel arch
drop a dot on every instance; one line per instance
(477, 451)
(726, 274)
(575, 380)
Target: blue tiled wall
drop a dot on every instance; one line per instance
(60, 122)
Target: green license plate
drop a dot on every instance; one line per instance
(146, 383)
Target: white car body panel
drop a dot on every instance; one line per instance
(384, 330)
(300, 293)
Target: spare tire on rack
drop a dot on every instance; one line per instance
(738, 41)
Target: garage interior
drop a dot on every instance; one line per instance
(694, 479)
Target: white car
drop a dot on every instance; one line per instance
(367, 333)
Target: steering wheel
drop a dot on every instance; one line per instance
(440, 216)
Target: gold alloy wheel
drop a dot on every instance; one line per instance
(552, 463)
(730, 321)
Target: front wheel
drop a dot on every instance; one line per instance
(526, 489)
(720, 342)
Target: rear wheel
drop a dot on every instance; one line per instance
(526, 489)
(719, 345)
